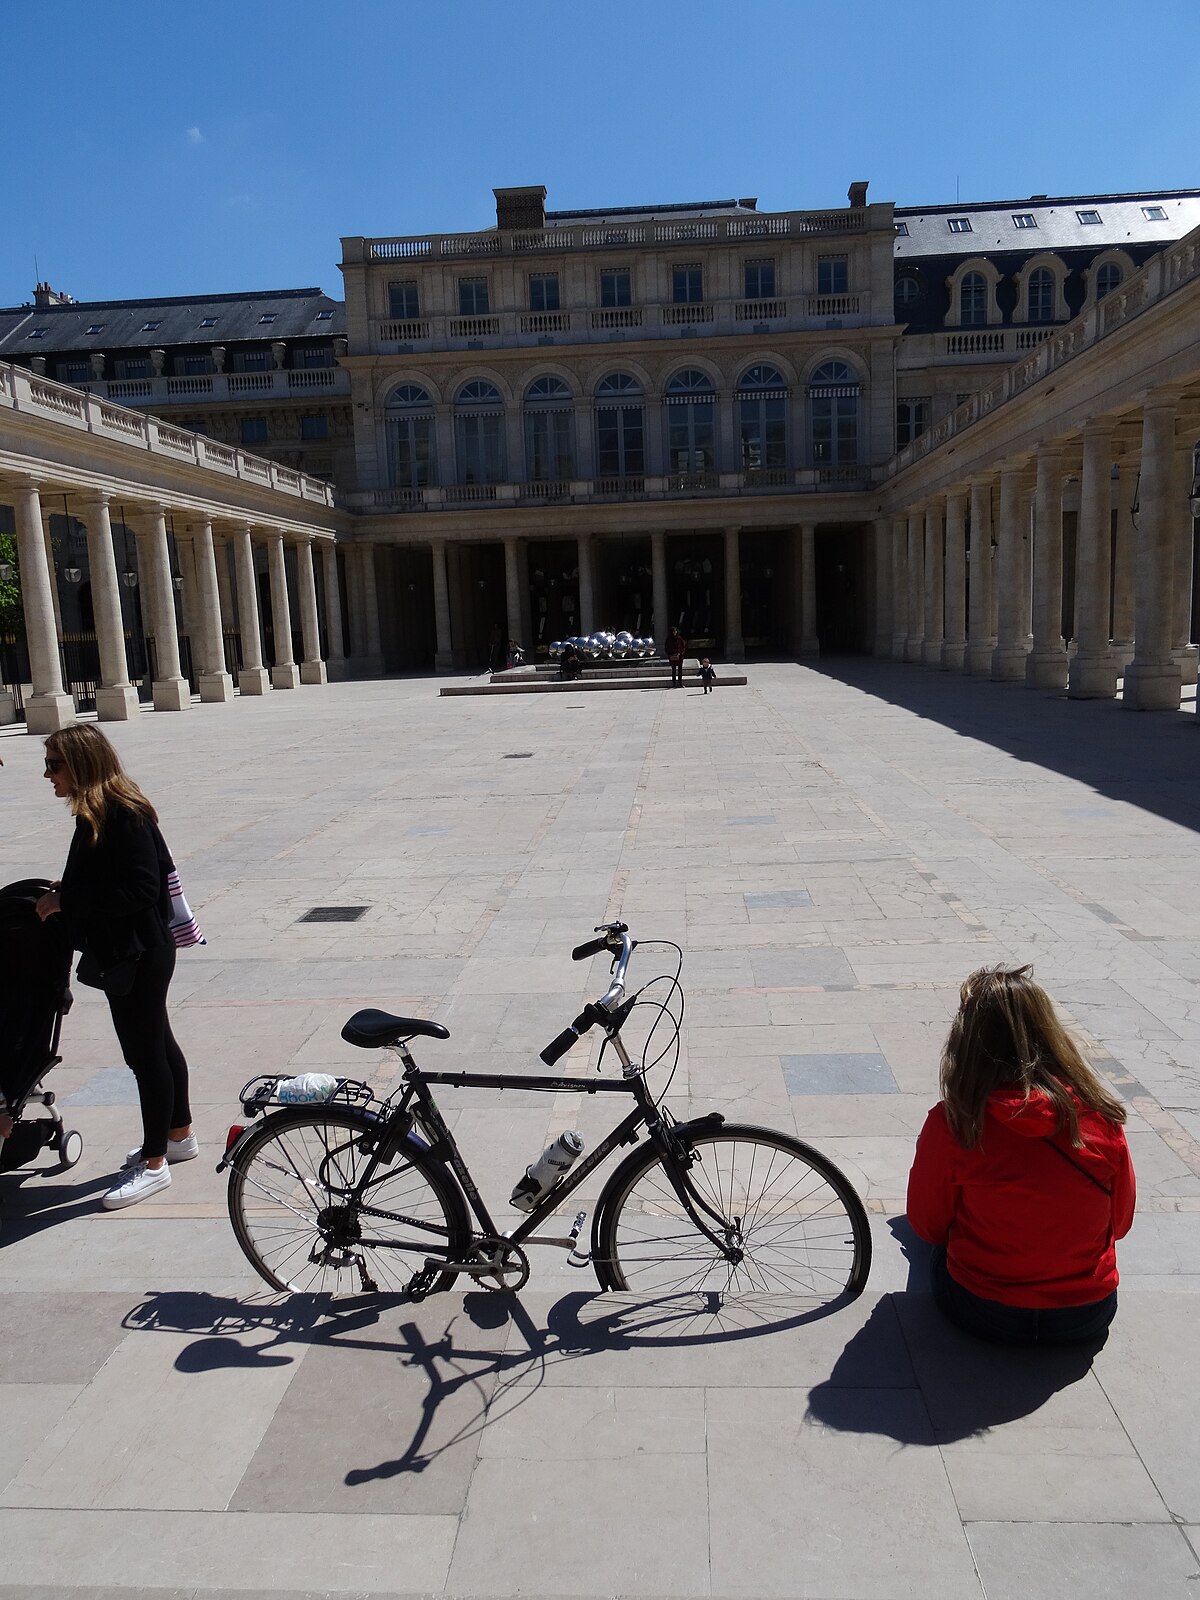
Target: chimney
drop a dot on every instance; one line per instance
(857, 195)
(44, 296)
(523, 209)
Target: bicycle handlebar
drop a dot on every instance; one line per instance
(610, 933)
(569, 1036)
(592, 947)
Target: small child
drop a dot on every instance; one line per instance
(707, 676)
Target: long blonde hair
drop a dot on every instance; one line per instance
(1008, 1035)
(96, 779)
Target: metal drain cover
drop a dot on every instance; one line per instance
(334, 913)
(519, 755)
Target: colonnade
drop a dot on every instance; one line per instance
(971, 579)
(213, 600)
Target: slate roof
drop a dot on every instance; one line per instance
(1122, 224)
(122, 323)
(691, 208)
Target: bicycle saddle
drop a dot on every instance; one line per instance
(373, 1029)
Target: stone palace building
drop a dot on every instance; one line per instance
(961, 435)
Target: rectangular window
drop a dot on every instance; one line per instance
(94, 327)
(1024, 219)
(36, 333)
(1090, 219)
(134, 367)
(472, 297)
(149, 327)
(619, 442)
(267, 316)
(833, 274)
(543, 291)
(615, 287)
(324, 316)
(959, 224)
(252, 361)
(194, 366)
(254, 430)
(73, 371)
(208, 322)
(404, 301)
(759, 280)
(314, 427)
(912, 419)
(687, 284)
(902, 230)
(1154, 213)
(312, 355)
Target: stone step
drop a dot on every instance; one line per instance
(511, 683)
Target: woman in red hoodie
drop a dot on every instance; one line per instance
(1022, 1179)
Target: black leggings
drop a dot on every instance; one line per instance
(150, 1050)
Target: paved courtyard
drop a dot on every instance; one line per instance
(834, 849)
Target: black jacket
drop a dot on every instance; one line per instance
(114, 894)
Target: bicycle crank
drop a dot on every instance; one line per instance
(500, 1266)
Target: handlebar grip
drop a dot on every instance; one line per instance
(559, 1047)
(592, 946)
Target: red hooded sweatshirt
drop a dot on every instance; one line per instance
(1020, 1223)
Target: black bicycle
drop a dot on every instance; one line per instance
(359, 1196)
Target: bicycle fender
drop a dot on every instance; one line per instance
(616, 1181)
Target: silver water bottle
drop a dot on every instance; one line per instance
(545, 1172)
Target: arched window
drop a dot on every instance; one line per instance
(691, 416)
(762, 418)
(1041, 295)
(549, 456)
(907, 291)
(972, 300)
(479, 433)
(833, 411)
(620, 430)
(1108, 278)
(408, 417)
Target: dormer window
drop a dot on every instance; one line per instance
(150, 327)
(36, 333)
(208, 322)
(267, 316)
(959, 224)
(902, 230)
(1024, 219)
(94, 327)
(1089, 219)
(1154, 213)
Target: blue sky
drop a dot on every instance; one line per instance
(176, 148)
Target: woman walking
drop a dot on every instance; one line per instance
(1022, 1179)
(117, 907)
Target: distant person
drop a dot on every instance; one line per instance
(707, 676)
(570, 667)
(516, 654)
(496, 651)
(674, 650)
(117, 907)
(1022, 1180)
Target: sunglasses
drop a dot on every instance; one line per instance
(54, 766)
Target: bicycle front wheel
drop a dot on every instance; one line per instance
(789, 1223)
(309, 1224)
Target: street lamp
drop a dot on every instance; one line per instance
(7, 572)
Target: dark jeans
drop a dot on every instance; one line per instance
(1019, 1325)
(150, 1050)
(676, 673)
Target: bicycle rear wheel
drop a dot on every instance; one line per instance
(797, 1226)
(307, 1226)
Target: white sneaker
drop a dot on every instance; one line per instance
(185, 1149)
(137, 1185)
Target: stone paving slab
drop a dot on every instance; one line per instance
(834, 849)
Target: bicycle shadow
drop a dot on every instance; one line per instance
(479, 1359)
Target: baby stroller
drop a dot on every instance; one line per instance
(35, 971)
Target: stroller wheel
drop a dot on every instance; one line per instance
(70, 1148)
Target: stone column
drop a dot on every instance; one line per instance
(512, 584)
(172, 692)
(1152, 678)
(335, 661)
(954, 645)
(735, 648)
(899, 587)
(1046, 666)
(49, 707)
(216, 686)
(914, 639)
(1008, 658)
(312, 668)
(587, 603)
(883, 586)
(373, 649)
(809, 643)
(116, 698)
(980, 642)
(253, 678)
(284, 672)
(1182, 649)
(935, 585)
(1123, 567)
(1093, 671)
(658, 569)
(444, 657)
(48, 544)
